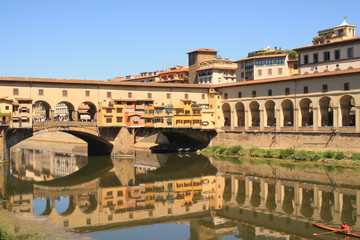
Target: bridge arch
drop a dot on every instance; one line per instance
(41, 111)
(255, 113)
(326, 111)
(240, 113)
(87, 111)
(287, 107)
(64, 111)
(347, 105)
(306, 111)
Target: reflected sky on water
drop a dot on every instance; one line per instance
(178, 196)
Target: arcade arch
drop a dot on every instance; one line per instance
(41, 111)
(255, 113)
(227, 114)
(347, 106)
(326, 111)
(270, 113)
(287, 107)
(64, 111)
(306, 111)
(87, 112)
(240, 113)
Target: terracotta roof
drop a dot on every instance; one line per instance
(133, 99)
(134, 78)
(216, 67)
(172, 80)
(184, 69)
(297, 77)
(6, 99)
(100, 83)
(355, 39)
(203, 50)
(263, 56)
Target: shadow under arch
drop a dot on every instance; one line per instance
(97, 146)
(348, 213)
(270, 200)
(241, 195)
(306, 209)
(327, 203)
(71, 207)
(48, 208)
(93, 203)
(87, 111)
(288, 206)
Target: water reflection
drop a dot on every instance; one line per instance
(208, 198)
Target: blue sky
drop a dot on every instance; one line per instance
(102, 39)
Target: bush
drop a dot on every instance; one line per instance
(233, 150)
(286, 153)
(301, 155)
(339, 156)
(328, 154)
(355, 156)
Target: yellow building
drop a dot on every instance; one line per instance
(187, 114)
(5, 111)
(188, 191)
(22, 113)
(111, 114)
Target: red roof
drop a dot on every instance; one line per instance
(203, 50)
(355, 39)
(216, 67)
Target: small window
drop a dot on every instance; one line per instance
(315, 57)
(149, 95)
(350, 52)
(346, 86)
(186, 96)
(202, 96)
(129, 94)
(131, 215)
(239, 95)
(324, 88)
(108, 110)
(225, 96)
(6, 107)
(88, 221)
(327, 56)
(109, 120)
(269, 71)
(119, 119)
(254, 93)
(270, 92)
(306, 59)
(169, 210)
(41, 92)
(87, 93)
(242, 75)
(15, 91)
(108, 94)
(110, 217)
(337, 54)
(150, 213)
(306, 89)
(120, 193)
(168, 95)
(280, 71)
(259, 72)
(66, 223)
(287, 91)
(119, 110)
(65, 93)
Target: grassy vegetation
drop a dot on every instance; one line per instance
(4, 235)
(288, 153)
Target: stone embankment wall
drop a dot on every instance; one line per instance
(315, 141)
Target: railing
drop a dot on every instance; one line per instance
(64, 124)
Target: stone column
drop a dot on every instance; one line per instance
(52, 115)
(263, 193)
(357, 119)
(232, 119)
(234, 188)
(298, 198)
(278, 119)
(317, 203)
(279, 194)
(336, 118)
(315, 118)
(296, 120)
(247, 192)
(262, 119)
(246, 112)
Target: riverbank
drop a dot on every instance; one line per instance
(26, 226)
(328, 157)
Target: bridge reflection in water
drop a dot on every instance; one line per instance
(217, 197)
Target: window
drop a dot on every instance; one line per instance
(350, 52)
(129, 94)
(337, 54)
(6, 107)
(169, 210)
(324, 88)
(279, 60)
(119, 110)
(315, 57)
(186, 96)
(259, 62)
(108, 110)
(249, 64)
(203, 96)
(242, 74)
(225, 96)
(306, 89)
(15, 91)
(41, 92)
(88, 221)
(306, 59)
(87, 93)
(120, 202)
(149, 95)
(168, 95)
(270, 92)
(287, 91)
(259, 72)
(108, 94)
(65, 93)
(109, 120)
(327, 56)
(280, 71)
(239, 95)
(254, 93)
(269, 71)
(150, 213)
(131, 215)
(119, 119)
(269, 61)
(346, 86)
(109, 193)
(120, 193)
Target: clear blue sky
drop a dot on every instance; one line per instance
(102, 39)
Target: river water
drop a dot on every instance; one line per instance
(177, 196)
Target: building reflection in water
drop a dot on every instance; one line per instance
(217, 198)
